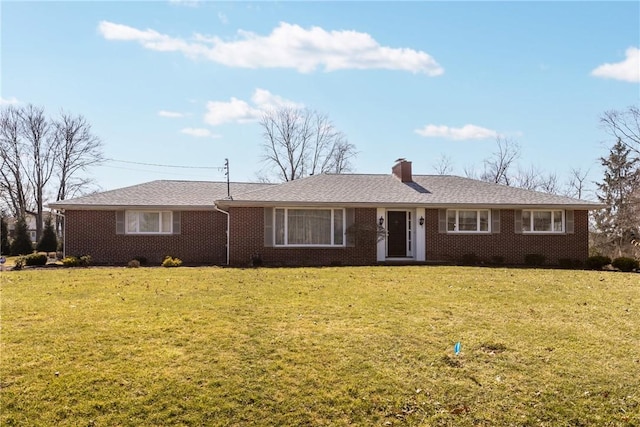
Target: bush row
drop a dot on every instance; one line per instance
(596, 262)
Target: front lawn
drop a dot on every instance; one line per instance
(319, 346)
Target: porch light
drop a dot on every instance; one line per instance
(421, 221)
(381, 221)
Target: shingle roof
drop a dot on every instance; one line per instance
(385, 190)
(338, 190)
(162, 193)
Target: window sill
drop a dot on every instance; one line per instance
(539, 233)
(468, 232)
(310, 246)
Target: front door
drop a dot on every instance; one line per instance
(396, 234)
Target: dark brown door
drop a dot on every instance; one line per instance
(396, 234)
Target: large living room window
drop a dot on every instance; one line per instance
(309, 227)
(468, 220)
(543, 221)
(149, 222)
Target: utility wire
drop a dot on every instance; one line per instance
(218, 168)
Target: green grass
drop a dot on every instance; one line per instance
(319, 347)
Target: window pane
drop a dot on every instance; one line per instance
(557, 221)
(166, 222)
(484, 220)
(279, 227)
(467, 220)
(526, 220)
(132, 222)
(542, 221)
(451, 220)
(309, 227)
(338, 227)
(149, 222)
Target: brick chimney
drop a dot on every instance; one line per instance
(402, 170)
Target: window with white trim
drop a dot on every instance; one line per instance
(309, 227)
(542, 221)
(468, 220)
(149, 222)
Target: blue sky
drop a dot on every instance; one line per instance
(183, 82)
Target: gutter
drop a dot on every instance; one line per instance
(64, 233)
(215, 206)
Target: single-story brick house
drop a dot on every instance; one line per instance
(328, 219)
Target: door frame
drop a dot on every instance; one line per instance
(416, 234)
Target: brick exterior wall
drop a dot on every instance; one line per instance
(202, 239)
(507, 244)
(247, 237)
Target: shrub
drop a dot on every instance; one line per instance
(142, 260)
(569, 263)
(171, 262)
(625, 264)
(469, 259)
(85, 260)
(35, 259)
(256, 260)
(534, 259)
(71, 261)
(134, 263)
(19, 263)
(77, 261)
(48, 242)
(5, 248)
(596, 262)
(21, 244)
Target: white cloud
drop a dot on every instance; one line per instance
(223, 18)
(288, 46)
(458, 134)
(170, 114)
(239, 111)
(199, 133)
(236, 110)
(9, 101)
(627, 70)
(266, 100)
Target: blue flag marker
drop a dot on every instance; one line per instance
(456, 348)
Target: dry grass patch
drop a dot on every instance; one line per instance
(325, 346)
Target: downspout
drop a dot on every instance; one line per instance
(228, 222)
(64, 233)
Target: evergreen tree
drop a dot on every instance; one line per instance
(4, 237)
(48, 242)
(619, 219)
(21, 244)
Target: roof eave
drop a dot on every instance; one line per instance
(74, 207)
(246, 203)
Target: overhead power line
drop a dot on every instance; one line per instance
(218, 168)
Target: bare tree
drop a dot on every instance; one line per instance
(444, 165)
(624, 126)
(470, 172)
(528, 178)
(77, 149)
(301, 142)
(497, 167)
(41, 149)
(549, 183)
(16, 189)
(576, 186)
(35, 151)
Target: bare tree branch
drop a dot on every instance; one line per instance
(444, 165)
(301, 142)
(496, 167)
(624, 125)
